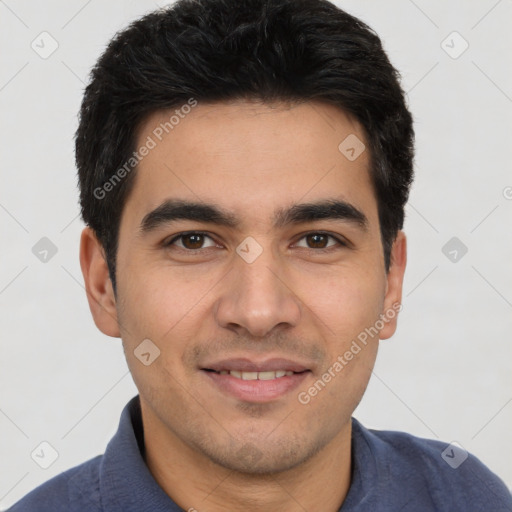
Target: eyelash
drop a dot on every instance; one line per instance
(340, 242)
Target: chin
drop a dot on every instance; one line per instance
(262, 458)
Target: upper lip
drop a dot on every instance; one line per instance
(242, 364)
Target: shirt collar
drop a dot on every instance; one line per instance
(126, 484)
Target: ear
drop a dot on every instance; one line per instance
(395, 278)
(100, 294)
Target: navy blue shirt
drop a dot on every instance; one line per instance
(391, 472)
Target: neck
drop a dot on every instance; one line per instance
(196, 483)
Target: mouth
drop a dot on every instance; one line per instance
(250, 381)
(266, 375)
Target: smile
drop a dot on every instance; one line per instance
(255, 386)
(257, 375)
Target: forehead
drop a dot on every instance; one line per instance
(251, 157)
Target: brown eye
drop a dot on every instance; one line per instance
(191, 241)
(320, 241)
(317, 241)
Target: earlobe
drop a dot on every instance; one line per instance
(395, 277)
(98, 286)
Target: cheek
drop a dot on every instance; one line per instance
(345, 302)
(158, 299)
(169, 308)
(349, 385)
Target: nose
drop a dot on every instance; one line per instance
(255, 298)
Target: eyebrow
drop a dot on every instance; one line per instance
(173, 209)
(330, 209)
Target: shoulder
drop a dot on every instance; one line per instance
(446, 472)
(76, 489)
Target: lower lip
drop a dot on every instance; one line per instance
(256, 390)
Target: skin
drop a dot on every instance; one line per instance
(294, 301)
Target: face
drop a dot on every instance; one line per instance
(250, 256)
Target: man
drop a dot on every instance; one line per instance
(243, 173)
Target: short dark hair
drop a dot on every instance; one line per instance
(221, 50)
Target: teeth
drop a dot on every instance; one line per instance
(257, 375)
(268, 375)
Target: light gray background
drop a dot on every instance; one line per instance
(446, 373)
